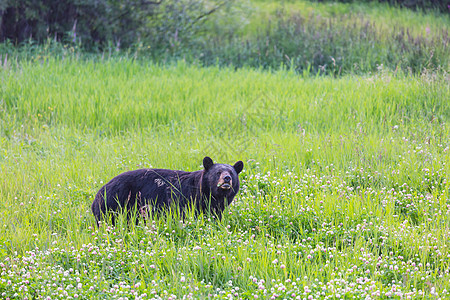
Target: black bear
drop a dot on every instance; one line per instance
(207, 190)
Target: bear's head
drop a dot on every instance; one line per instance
(222, 180)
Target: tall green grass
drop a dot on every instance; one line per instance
(333, 39)
(344, 192)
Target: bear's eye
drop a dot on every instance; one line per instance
(218, 173)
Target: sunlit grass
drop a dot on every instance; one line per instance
(344, 192)
(385, 16)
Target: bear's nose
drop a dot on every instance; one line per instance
(227, 178)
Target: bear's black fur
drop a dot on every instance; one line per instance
(210, 189)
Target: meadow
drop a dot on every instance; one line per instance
(345, 187)
(344, 193)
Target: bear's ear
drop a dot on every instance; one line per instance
(207, 163)
(238, 166)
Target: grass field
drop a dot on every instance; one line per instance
(344, 193)
(345, 188)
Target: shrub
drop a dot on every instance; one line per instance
(99, 22)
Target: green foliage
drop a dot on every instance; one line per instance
(177, 25)
(310, 38)
(345, 190)
(344, 43)
(97, 23)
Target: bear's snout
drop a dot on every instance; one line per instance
(225, 181)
